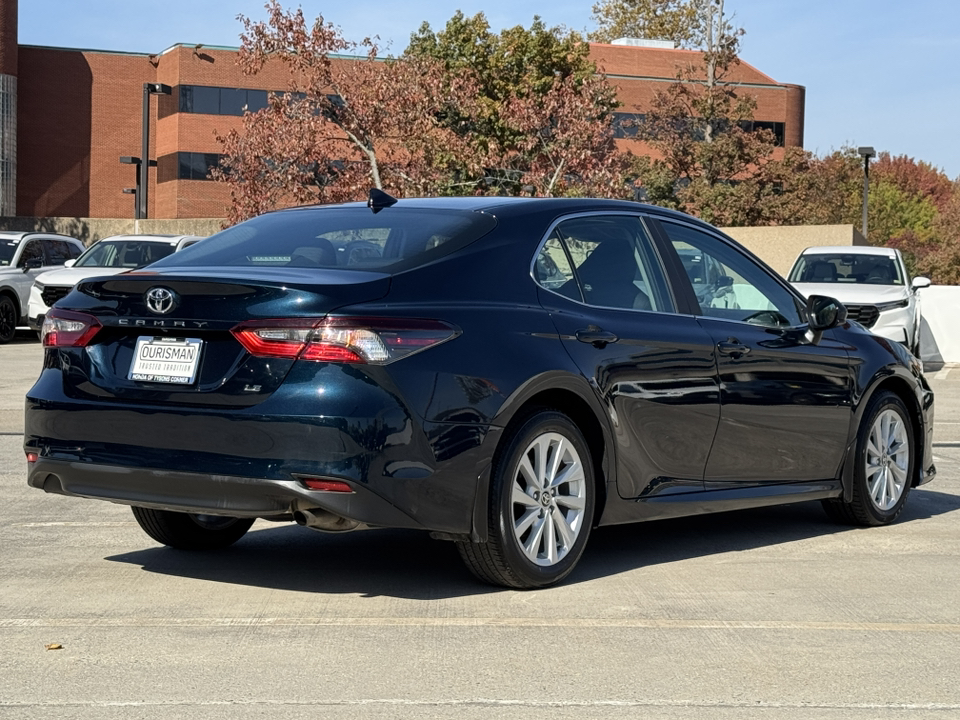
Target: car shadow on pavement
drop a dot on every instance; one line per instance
(625, 547)
(24, 337)
(408, 564)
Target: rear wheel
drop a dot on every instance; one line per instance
(885, 465)
(541, 505)
(188, 531)
(8, 319)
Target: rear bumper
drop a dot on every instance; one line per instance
(247, 461)
(214, 495)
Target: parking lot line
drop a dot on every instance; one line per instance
(511, 622)
(487, 702)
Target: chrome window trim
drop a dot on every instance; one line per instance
(594, 213)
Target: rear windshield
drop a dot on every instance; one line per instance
(124, 253)
(857, 268)
(353, 238)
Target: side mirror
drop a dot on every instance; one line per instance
(920, 282)
(70, 263)
(32, 263)
(824, 313)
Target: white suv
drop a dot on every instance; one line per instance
(873, 284)
(109, 256)
(23, 256)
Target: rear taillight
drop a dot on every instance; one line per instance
(65, 328)
(374, 341)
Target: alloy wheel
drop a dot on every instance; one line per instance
(548, 499)
(887, 460)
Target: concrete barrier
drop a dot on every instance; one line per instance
(940, 328)
(89, 230)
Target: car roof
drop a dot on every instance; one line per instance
(6, 235)
(850, 250)
(492, 203)
(166, 239)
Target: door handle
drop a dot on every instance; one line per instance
(733, 348)
(596, 336)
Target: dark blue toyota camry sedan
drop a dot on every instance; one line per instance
(505, 373)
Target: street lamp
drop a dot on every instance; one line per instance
(143, 178)
(135, 191)
(866, 153)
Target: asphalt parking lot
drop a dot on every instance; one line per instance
(772, 613)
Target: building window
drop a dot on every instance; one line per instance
(186, 166)
(207, 100)
(219, 101)
(627, 125)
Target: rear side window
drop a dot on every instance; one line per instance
(33, 250)
(604, 261)
(392, 240)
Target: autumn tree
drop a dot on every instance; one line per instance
(344, 125)
(676, 20)
(564, 143)
(542, 121)
(713, 163)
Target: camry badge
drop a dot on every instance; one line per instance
(160, 300)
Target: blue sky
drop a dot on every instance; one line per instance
(877, 72)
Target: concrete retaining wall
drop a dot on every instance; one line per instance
(89, 230)
(779, 246)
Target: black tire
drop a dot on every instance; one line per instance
(502, 560)
(8, 319)
(186, 531)
(863, 508)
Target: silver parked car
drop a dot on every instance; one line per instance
(109, 256)
(873, 284)
(23, 256)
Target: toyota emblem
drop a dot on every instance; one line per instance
(160, 300)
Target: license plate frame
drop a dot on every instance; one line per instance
(165, 360)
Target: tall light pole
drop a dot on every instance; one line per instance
(866, 153)
(145, 163)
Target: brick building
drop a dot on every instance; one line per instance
(67, 116)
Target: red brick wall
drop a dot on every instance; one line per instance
(79, 111)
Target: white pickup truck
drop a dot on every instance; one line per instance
(23, 256)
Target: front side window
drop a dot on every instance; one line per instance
(605, 261)
(32, 251)
(729, 284)
(847, 268)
